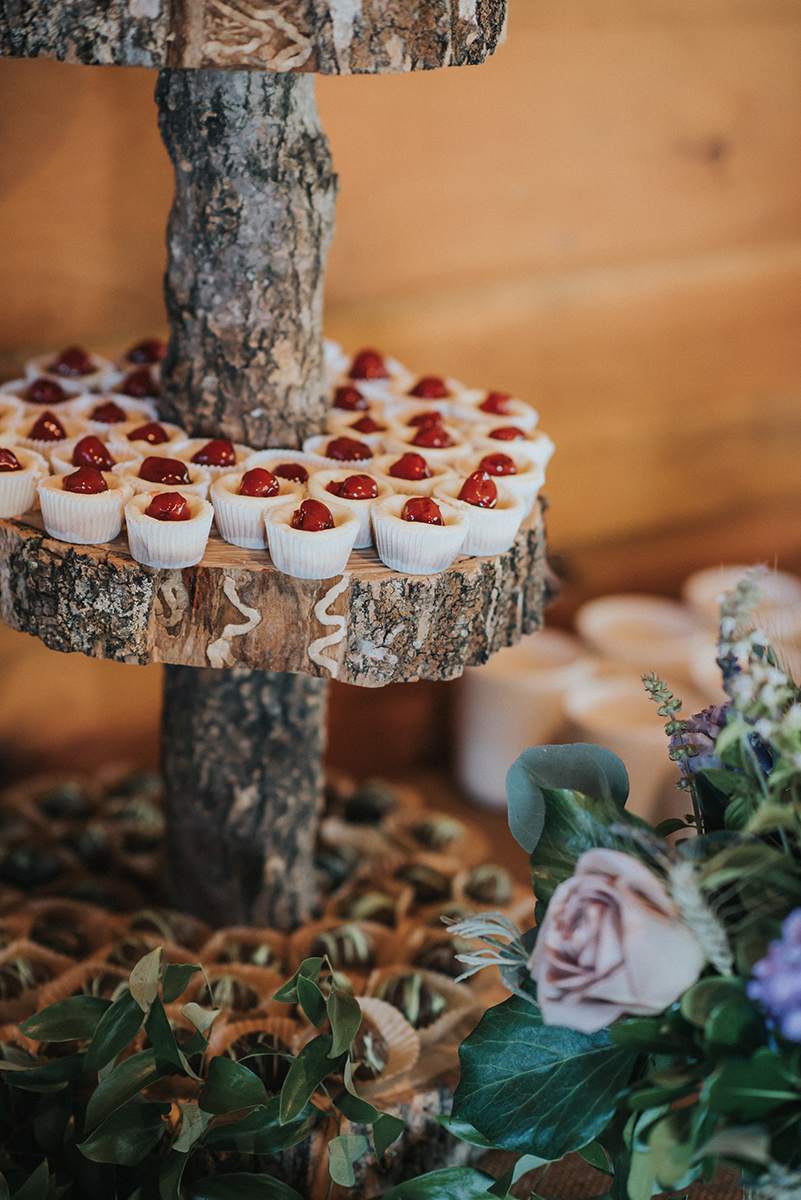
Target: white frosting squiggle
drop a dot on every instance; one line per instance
(326, 618)
(219, 652)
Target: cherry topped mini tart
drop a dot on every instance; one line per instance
(158, 473)
(148, 436)
(48, 431)
(503, 437)
(74, 368)
(493, 513)
(241, 499)
(88, 450)
(515, 471)
(413, 472)
(497, 407)
(21, 471)
(215, 456)
(303, 545)
(168, 529)
(338, 449)
(84, 506)
(141, 383)
(439, 441)
(43, 393)
(147, 353)
(410, 539)
(356, 490)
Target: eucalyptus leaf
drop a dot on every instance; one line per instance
(544, 1090)
(261, 1131)
(144, 979)
(117, 1027)
(230, 1086)
(37, 1185)
(241, 1187)
(66, 1020)
(343, 1152)
(312, 1001)
(127, 1135)
(590, 770)
(455, 1183)
(306, 1073)
(175, 979)
(127, 1080)
(345, 1016)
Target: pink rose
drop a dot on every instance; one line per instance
(612, 942)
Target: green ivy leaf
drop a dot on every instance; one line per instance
(345, 1017)
(37, 1185)
(144, 979)
(386, 1130)
(126, 1080)
(53, 1113)
(591, 770)
(201, 1018)
(172, 1170)
(594, 1154)
(308, 969)
(117, 1027)
(50, 1077)
(175, 979)
(343, 1152)
(457, 1183)
(165, 1043)
(307, 1072)
(261, 1131)
(230, 1086)
(75, 1017)
(242, 1187)
(749, 1089)
(311, 1000)
(464, 1131)
(539, 1089)
(193, 1125)
(127, 1135)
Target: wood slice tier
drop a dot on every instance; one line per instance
(331, 37)
(371, 626)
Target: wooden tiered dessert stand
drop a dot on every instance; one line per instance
(249, 650)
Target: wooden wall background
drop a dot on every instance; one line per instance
(604, 219)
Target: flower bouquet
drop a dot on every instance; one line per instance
(655, 1020)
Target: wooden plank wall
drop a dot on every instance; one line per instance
(604, 219)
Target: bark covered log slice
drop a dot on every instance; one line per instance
(371, 626)
(331, 37)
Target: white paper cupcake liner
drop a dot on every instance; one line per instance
(198, 480)
(520, 414)
(11, 411)
(400, 440)
(316, 445)
(319, 481)
(490, 531)
(74, 427)
(240, 519)
(310, 555)
(536, 445)
(85, 520)
(18, 488)
(36, 368)
(176, 437)
(526, 483)
(410, 487)
(412, 547)
(339, 423)
(138, 412)
(61, 459)
(168, 545)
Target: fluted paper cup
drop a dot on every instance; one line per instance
(84, 519)
(319, 481)
(18, 488)
(168, 545)
(240, 519)
(309, 555)
(412, 547)
(489, 530)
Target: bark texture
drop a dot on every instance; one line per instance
(331, 37)
(369, 627)
(241, 755)
(248, 236)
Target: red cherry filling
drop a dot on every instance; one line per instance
(368, 364)
(217, 453)
(45, 391)
(151, 432)
(108, 413)
(345, 449)
(430, 387)
(433, 437)
(259, 482)
(424, 420)
(90, 452)
(355, 487)
(367, 425)
(351, 399)
(496, 402)
(312, 516)
(507, 433)
(164, 470)
(140, 384)
(478, 489)
(291, 470)
(86, 480)
(168, 506)
(48, 428)
(149, 350)
(410, 466)
(72, 363)
(497, 464)
(422, 509)
(9, 461)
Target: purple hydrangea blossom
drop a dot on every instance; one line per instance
(701, 731)
(776, 982)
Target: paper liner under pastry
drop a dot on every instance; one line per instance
(235, 987)
(403, 1047)
(82, 518)
(368, 894)
(27, 972)
(317, 445)
(412, 547)
(61, 459)
(445, 840)
(244, 944)
(11, 412)
(525, 483)
(461, 1003)
(137, 412)
(410, 487)
(536, 445)
(275, 455)
(468, 410)
(18, 489)
(308, 555)
(168, 545)
(198, 479)
(381, 945)
(240, 519)
(37, 368)
(490, 531)
(319, 481)
(72, 928)
(399, 439)
(73, 427)
(282, 1029)
(191, 447)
